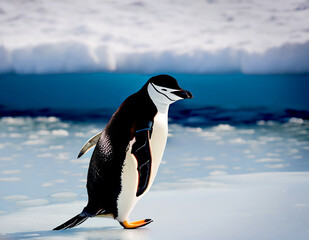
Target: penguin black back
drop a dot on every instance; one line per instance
(104, 174)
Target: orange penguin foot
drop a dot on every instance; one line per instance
(136, 224)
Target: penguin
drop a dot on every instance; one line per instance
(128, 153)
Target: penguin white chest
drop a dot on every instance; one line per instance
(129, 178)
(158, 143)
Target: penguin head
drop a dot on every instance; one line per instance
(164, 89)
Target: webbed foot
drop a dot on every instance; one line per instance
(136, 224)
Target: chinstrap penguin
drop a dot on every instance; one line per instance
(128, 153)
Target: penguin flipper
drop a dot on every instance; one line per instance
(142, 153)
(73, 222)
(89, 144)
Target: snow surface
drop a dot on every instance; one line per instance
(249, 206)
(249, 36)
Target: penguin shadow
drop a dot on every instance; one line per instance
(105, 233)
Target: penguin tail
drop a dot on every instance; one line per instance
(73, 222)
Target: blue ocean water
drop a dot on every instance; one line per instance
(225, 98)
(108, 90)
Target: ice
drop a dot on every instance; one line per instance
(15, 197)
(250, 36)
(61, 196)
(256, 189)
(10, 179)
(278, 60)
(249, 206)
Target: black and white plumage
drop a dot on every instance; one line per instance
(128, 153)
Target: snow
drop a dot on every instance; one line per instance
(249, 36)
(248, 206)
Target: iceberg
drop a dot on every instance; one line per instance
(70, 57)
(252, 37)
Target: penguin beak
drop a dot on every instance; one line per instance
(183, 94)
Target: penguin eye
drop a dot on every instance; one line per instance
(163, 89)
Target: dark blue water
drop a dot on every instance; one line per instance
(221, 98)
(108, 90)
